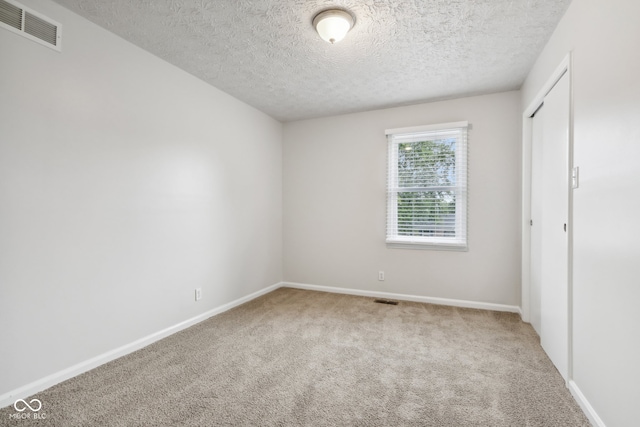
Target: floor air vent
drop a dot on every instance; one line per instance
(386, 301)
(30, 24)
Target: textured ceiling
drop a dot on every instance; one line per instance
(267, 54)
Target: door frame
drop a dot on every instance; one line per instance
(527, 137)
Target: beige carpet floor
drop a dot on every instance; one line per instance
(303, 358)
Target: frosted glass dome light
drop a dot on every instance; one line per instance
(333, 25)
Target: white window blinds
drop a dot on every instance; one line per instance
(427, 186)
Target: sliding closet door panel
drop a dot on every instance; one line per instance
(555, 211)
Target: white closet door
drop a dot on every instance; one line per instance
(536, 218)
(554, 291)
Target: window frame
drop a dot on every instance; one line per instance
(459, 242)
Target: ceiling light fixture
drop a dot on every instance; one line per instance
(333, 24)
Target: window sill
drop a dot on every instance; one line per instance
(433, 246)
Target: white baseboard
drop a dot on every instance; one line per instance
(585, 405)
(55, 378)
(405, 297)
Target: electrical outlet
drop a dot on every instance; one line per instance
(380, 275)
(198, 294)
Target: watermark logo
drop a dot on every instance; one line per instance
(21, 405)
(34, 406)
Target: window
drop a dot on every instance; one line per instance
(427, 187)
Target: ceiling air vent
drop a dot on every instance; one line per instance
(30, 24)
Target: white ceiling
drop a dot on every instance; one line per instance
(267, 54)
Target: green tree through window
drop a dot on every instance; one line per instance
(428, 169)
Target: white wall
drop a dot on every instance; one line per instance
(335, 204)
(125, 183)
(603, 36)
